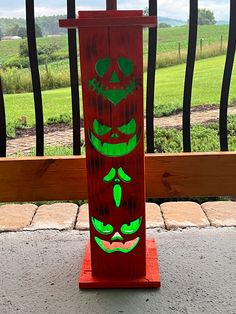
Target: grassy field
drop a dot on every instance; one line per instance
(19, 80)
(168, 39)
(20, 107)
(11, 48)
(168, 96)
(206, 85)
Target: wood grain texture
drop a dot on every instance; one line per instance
(145, 21)
(42, 178)
(167, 175)
(104, 81)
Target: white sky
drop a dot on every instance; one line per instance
(168, 8)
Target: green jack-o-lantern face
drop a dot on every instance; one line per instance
(114, 148)
(117, 242)
(115, 92)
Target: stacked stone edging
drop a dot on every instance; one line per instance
(67, 216)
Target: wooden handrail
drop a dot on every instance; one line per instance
(167, 175)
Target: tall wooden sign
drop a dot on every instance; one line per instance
(111, 58)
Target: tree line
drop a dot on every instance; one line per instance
(45, 25)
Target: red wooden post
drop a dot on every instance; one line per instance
(111, 57)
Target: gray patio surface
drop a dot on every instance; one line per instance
(40, 270)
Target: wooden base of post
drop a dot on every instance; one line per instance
(151, 280)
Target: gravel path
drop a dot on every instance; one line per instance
(24, 144)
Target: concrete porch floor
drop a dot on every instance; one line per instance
(40, 270)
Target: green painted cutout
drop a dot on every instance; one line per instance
(101, 228)
(116, 243)
(126, 66)
(118, 93)
(132, 227)
(117, 189)
(117, 194)
(99, 128)
(102, 66)
(114, 78)
(110, 176)
(128, 128)
(123, 176)
(114, 149)
(108, 247)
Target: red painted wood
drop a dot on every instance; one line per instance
(151, 280)
(145, 21)
(112, 43)
(105, 14)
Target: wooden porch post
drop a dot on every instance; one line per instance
(111, 58)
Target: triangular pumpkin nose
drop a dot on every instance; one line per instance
(117, 237)
(114, 78)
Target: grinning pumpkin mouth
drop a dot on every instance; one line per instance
(115, 95)
(111, 247)
(114, 149)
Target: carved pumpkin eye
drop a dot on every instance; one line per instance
(126, 66)
(132, 227)
(99, 128)
(101, 228)
(128, 128)
(102, 66)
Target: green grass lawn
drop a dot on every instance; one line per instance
(56, 108)
(206, 86)
(168, 96)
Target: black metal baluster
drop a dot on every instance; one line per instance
(151, 71)
(227, 77)
(111, 4)
(30, 24)
(192, 44)
(73, 60)
(3, 134)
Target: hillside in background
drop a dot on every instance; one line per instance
(48, 24)
(222, 22)
(170, 21)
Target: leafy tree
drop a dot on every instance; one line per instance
(22, 32)
(38, 31)
(23, 49)
(12, 30)
(45, 51)
(164, 25)
(1, 34)
(206, 17)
